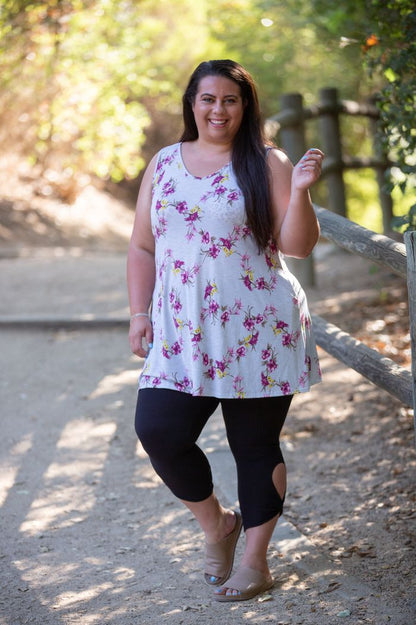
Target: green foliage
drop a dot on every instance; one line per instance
(94, 86)
(394, 55)
(385, 32)
(362, 199)
(79, 79)
(405, 223)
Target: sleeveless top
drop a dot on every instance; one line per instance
(228, 321)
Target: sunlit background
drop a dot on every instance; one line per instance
(89, 90)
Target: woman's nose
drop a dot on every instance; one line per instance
(218, 105)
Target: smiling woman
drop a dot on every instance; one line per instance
(229, 324)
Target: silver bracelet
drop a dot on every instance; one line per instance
(139, 315)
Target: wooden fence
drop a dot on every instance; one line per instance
(399, 257)
(290, 122)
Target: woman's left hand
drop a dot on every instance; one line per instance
(308, 170)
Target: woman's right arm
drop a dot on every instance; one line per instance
(141, 266)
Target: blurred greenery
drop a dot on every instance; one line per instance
(93, 87)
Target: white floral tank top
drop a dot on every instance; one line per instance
(228, 322)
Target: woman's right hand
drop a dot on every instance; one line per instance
(140, 328)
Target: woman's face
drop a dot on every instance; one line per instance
(218, 109)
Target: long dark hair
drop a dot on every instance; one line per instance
(249, 147)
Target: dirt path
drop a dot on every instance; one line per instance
(89, 535)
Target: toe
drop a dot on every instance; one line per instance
(227, 591)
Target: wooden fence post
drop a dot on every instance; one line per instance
(292, 140)
(331, 143)
(386, 201)
(410, 242)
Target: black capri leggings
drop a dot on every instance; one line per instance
(168, 424)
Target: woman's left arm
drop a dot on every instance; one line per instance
(296, 228)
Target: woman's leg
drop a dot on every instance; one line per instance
(253, 430)
(168, 423)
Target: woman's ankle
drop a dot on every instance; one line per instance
(224, 526)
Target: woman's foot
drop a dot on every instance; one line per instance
(245, 584)
(220, 548)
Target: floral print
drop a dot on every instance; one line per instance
(228, 322)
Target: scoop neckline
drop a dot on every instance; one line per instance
(214, 173)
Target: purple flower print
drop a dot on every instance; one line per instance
(205, 359)
(264, 380)
(285, 386)
(271, 365)
(220, 190)
(160, 227)
(266, 354)
(176, 348)
(241, 352)
(287, 340)
(232, 196)
(219, 178)
(261, 284)
(253, 339)
(249, 323)
(193, 216)
(246, 231)
(221, 365)
(178, 264)
(181, 207)
(280, 325)
(185, 277)
(238, 386)
(213, 307)
(183, 385)
(196, 337)
(227, 243)
(247, 283)
(211, 373)
(168, 187)
(225, 316)
(269, 261)
(208, 290)
(205, 237)
(214, 250)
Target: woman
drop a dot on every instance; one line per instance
(229, 324)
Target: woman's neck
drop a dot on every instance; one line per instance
(202, 158)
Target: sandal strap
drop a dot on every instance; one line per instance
(246, 578)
